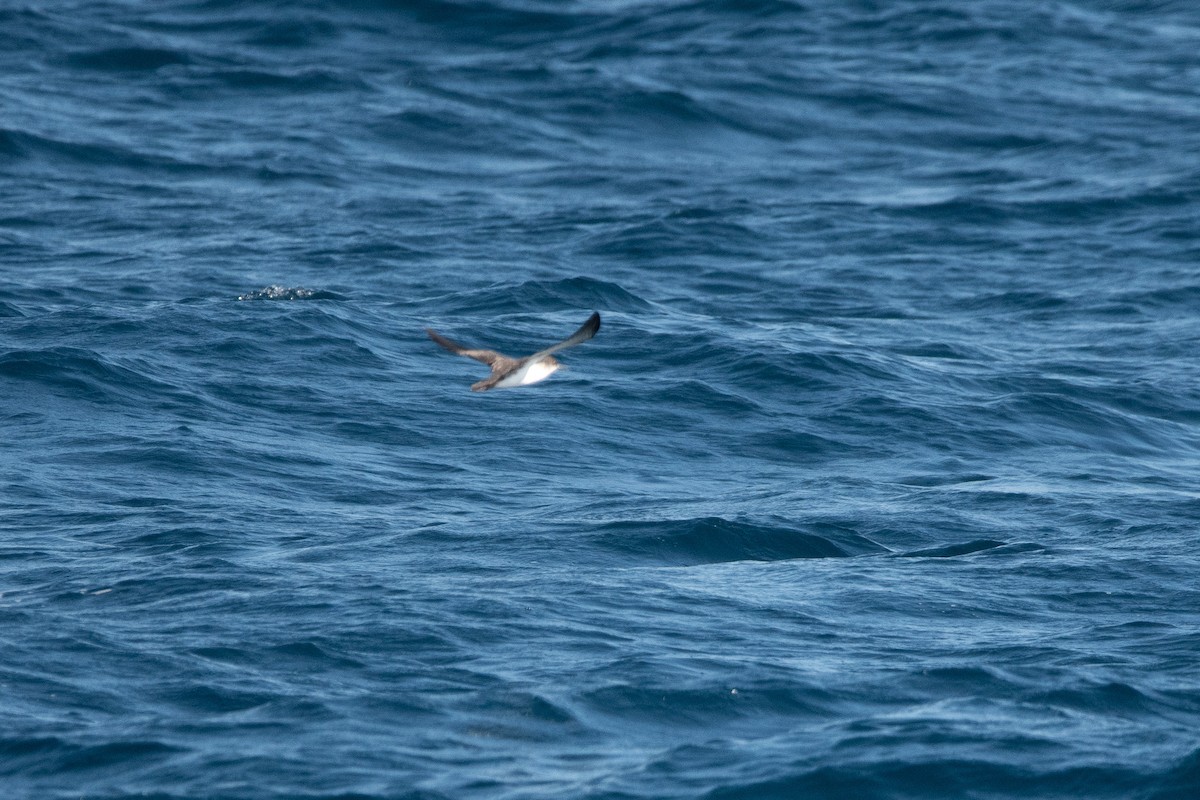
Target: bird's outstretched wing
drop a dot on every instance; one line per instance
(489, 357)
(585, 332)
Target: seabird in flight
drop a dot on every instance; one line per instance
(508, 372)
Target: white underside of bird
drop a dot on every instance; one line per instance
(532, 372)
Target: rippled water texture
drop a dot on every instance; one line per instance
(879, 480)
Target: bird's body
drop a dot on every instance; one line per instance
(529, 372)
(509, 372)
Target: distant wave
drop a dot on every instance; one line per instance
(131, 59)
(84, 374)
(567, 294)
(277, 292)
(710, 540)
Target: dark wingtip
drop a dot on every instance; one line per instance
(593, 322)
(442, 341)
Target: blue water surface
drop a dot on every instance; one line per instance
(880, 480)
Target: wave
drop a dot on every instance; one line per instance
(910, 777)
(10, 310)
(540, 296)
(277, 292)
(50, 755)
(99, 154)
(292, 33)
(497, 21)
(84, 374)
(10, 143)
(1181, 782)
(711, 540)
(254, 80)
(702, 703)
(1061, 417)
(954, 550)
(128, 59)
(455, 132)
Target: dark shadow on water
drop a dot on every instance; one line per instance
(713, 540)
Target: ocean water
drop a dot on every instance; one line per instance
(880, 480)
